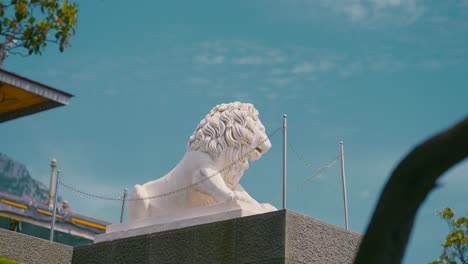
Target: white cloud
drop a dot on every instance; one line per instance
(430, 64)
(279, 81)
(304, 68)
(249, 60)
(209, 60)
(350, 69)
(376, 12)
(277, 71)
(385, 3)
(83, 76)
(275, 56)
(385, 63)
(215, 45)
(238, 52)
(272, 96)
(355, 11)
(323, 65)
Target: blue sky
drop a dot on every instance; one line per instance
(381, 75)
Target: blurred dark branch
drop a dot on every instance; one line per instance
(390, 227)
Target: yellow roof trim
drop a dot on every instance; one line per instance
(47, 213)
(22, 206)
(87, 223)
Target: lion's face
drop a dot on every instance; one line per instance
(263, 144)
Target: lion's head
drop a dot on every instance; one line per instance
(232, 132)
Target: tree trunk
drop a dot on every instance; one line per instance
(410, 183)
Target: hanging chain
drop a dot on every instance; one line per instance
(318, 169)
(89, 195)
(185, 188)
(311, 165)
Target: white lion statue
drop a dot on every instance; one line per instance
(216, 158)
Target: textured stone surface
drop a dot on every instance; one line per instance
(171, 247)
(260, 237)
(281, 237)
(27, 249)
(215, 243)
(131, 250)
(277, 261)
(309, 240)
(93, 254)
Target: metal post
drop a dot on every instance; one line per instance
(54, 212)
(284, 160)
(343, 180)
(53, 165)
(123, 205)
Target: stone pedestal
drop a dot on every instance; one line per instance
(275, 237)
(186, 218)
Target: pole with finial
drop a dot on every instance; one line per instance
(284, 160)
(125, 193)
(54, 210)
(343, 181)
(53, 165)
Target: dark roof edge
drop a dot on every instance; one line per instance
(37, 108)
(69, 95)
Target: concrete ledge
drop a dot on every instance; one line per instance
(187, 218)
(274, 237)
(28, 249)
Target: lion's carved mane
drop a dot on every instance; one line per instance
(223, 142)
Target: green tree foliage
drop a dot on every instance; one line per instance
(5, 260)
(456, 243)
(28, 24)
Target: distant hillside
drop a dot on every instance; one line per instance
(15, 179)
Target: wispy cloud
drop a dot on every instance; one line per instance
(323, 65)
(249, 60)
(373, 13)
(238, 52)
(279, 81)
(430, 64)
(83, 76)
(350, 69)
(209, 60)
(355, 11)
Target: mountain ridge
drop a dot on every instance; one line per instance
(16, 179)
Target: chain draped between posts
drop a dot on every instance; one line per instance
(312, 165)
(156, 196)
(317, 169)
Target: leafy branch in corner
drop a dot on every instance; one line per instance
(28, 24)
(456, 241)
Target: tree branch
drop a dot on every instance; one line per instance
(410, 183)
(19, 53)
